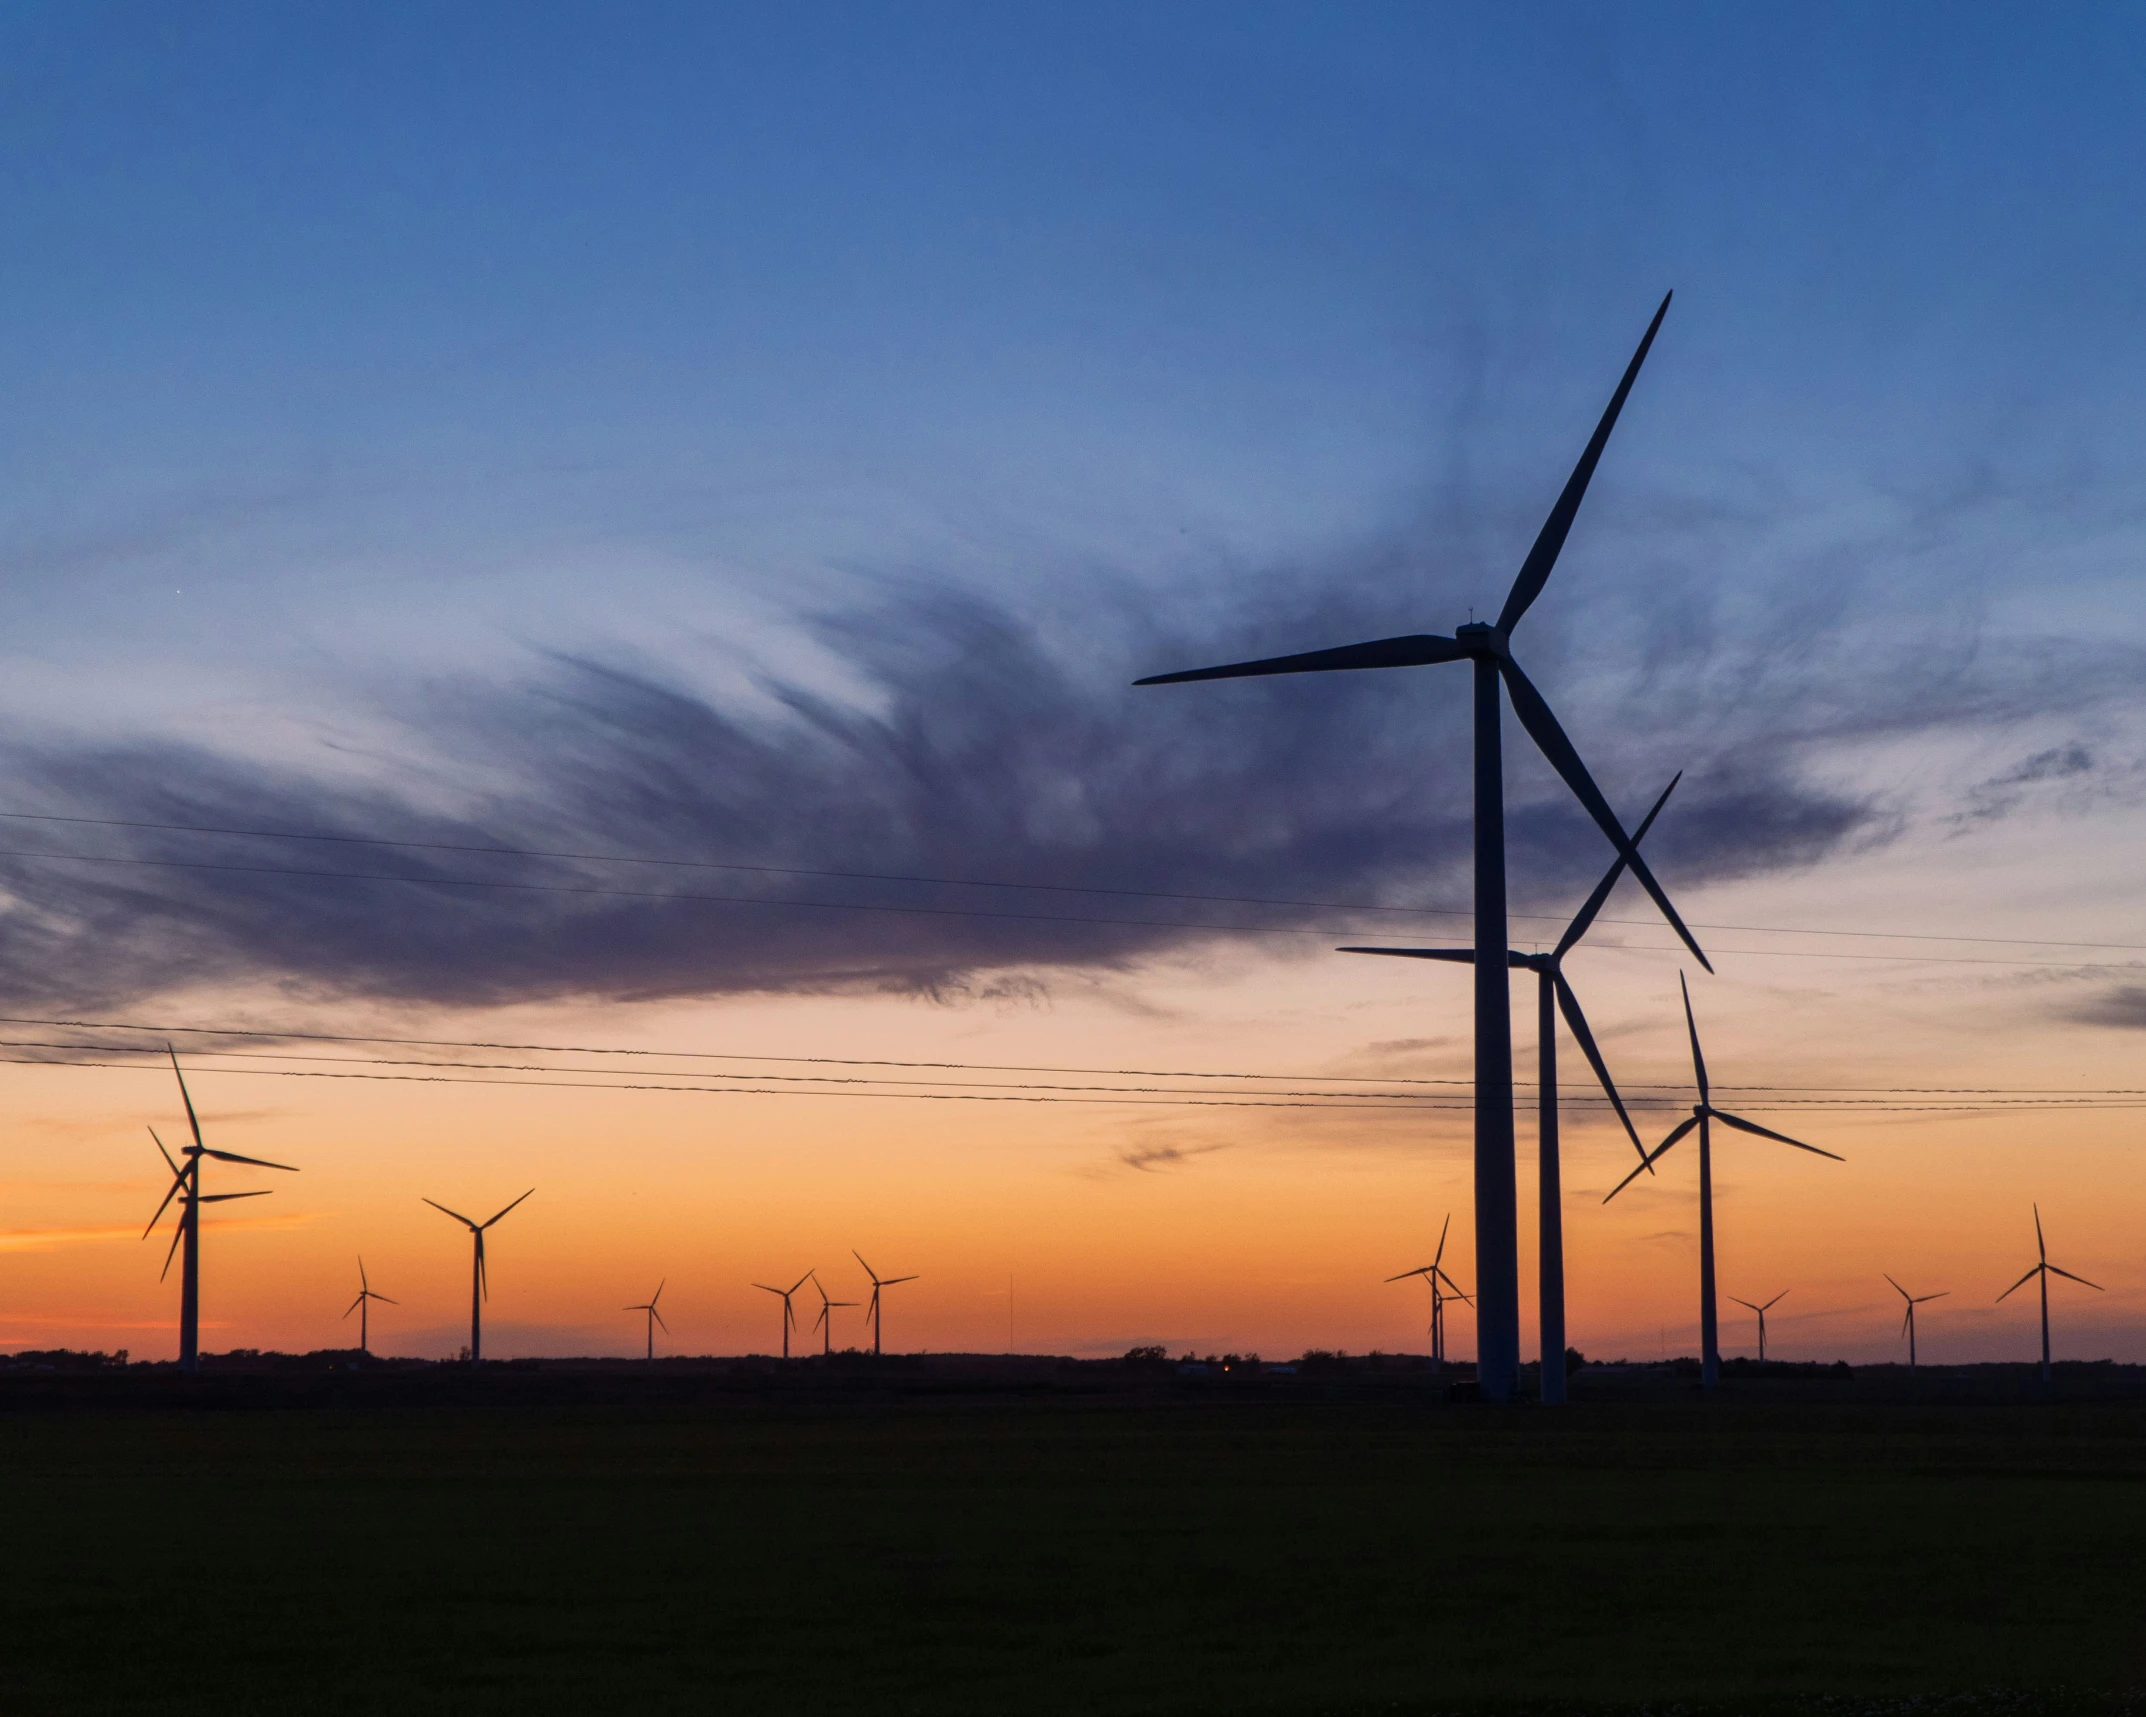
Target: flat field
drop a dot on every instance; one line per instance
(1168, 1553)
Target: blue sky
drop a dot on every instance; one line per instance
(777, 435)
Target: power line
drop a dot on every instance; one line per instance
(978, 912)
(962, 882)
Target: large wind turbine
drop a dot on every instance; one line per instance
(1703, 1115)
(825, 1322)
(1749, 1305)
(186, 1188)
(1488, 647)
(789, 1312)
(1552, 995)
(873, 1311)
(479, 1288)
(1907, 1324)
(654, 1318)
(362, 1305)
(1434, 1273)
(2045, 1270)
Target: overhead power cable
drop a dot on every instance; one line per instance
(576, 857)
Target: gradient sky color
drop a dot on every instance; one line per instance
(778, 436)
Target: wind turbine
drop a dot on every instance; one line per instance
(1434, 1273)
(362, 1305)
(1552, 995)
(654, 1318)
(479, 1288)
(2045, 1270)
(1488, 647)
(1703, 1115)
(877, 1284)
(1762, 1311)
(1907, 1324)
(186, 1188)
(789, 1313)
(825, 1322)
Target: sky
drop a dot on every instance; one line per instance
(602, 551)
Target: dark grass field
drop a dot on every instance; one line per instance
(1177, 1551)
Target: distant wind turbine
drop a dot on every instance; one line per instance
(877, 1284)
(1702, 1115)
(1762, 1311)
(186, 1188)
(654, 1318)
(1552, 996)
(825, 1322)
(1907, 1324)
(789, 1313)
(1488, 648)
(362, 1305)
(479, 1288)
(1434, 1273)
(2045, 1270)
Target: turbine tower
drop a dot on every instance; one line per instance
(654, 1318)
(1703, 1115)
(1907, 1324)
(825, 1322)
(1762, 1311)
(362, 1305)
(2045, 1270)
(877, 1284)
(479, 1288)
(1434, 1273)
(789, 1313)
(186, 1188)
(1552, 996)
(1488, 648)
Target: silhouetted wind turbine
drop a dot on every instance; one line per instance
(654, 1318)
(825, 1322)
(479, 1288)
(2045, 1270)
(186, 1188)
(1907, 1324)
(1488, 647)
(789, 1314)
(1762, 1310)
(1703, 1115)
(1552, 995)
(1434, 1273)
(362, 1305)
(877, 1284)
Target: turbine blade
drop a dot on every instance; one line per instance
(859, 1256)
(1744, 1303)
(1569, 1005)
(2081, 1280)
(484, 1276)
(226, 1197)
(234, 1157)
(192, 1120)
(660, 1324)
(168, 1159)
(654, 1298)
(2021, 1283)
(510, 1207)
(1936, 1296)
(1698, 1061)
(1535, 570)
(1907, 1317)
(891, 1280)
(1898, 1289)
(765, 1289)
(1418, 650)
(1584, 919)
(363, 1284)
(1459, 956)
(1647, 1162)
(1752, 1127)
(1777, 1299)
(382, 1298)
(799, 1283)
(1419, 1270)
(177, 1234)
(1444, 1228)
(1550, 739)
(178, 1180)
(456, 1214)
(2039, 1244)
(355, 1304)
